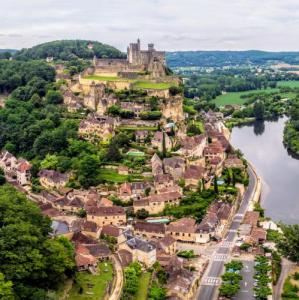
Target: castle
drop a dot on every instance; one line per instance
(138, 61)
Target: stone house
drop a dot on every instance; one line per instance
(23, 172)
(141, 135)
(214, 150)
(149, 230)
(194, 174)
(134, 107)
(125, 191)
(88, 228)
(175, 166)
(51, 179)
(157, 165)
(183, 230)
(115, 232)
(141, 250)
(163, 181)
(114, 215)
(168, 245)
(157, 141)
(96, 128)
(155, 204)
(234, 162)
(123, 170)
(193, 146)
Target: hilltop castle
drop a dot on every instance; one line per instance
(138, 61)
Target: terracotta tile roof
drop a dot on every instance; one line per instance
(233, 162)
(125, 257)
(84, 260)
(258, 234)
(23, 165)
(251, 217)
(170, 196)
(80, 238)
(167, 241)
(174, 162)
(84, 225)
(190, 142)
(111, 230)
(194, 172)
(162, 178)
(105, 202)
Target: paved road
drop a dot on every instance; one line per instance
(286, 267)
(246, 291)
(210, 282)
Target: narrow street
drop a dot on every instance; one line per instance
(212, 278)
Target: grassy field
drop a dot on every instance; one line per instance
(103, 78)
(144, 281)
(94, 286)
(152, 85)
(290, 84)
(235, 98)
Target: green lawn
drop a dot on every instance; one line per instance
(112, 176)
(94, 286)
(235, 98)
(290, 84)
(152, 85)
(143, 286)
(103, 78)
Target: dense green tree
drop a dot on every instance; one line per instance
(87, 170)
(54, 97)
(142, 214)
(6, 291)
(31, 260)
(259, 110)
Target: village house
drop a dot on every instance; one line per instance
(157, 141)
(114, 232)
(167, 244)
(141, 250)
(193, 175)
(234, 162)
(96, 128)
(139, 188)
(51, 179)
(88, 228)
(105, 202)
(155, 204)
(134, 107)
(213, 150)
(114, 215)
(149, 230)
(65, 204)
(15, 168)
(88, 252)
(192, 146)
(141, 136)
(163, 181)
(157, 165)
(125, 257)
(183, 230)
(251, 217)
(125, 191)
(175, 166)
(181, 283)
(23, 172)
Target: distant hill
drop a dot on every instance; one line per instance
(8, 50)
(228, 58)
(69, 49)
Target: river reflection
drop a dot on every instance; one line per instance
(262, 145)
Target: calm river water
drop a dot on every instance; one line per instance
(262, 145)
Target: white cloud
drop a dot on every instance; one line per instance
(171, 24)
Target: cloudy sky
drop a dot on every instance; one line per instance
(170, 24)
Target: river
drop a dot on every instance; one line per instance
(262, 145)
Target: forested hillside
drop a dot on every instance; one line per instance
(69, 49)
(228, 58)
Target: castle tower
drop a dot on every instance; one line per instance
(133, 53)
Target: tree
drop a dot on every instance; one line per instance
(259, 110)
(6, 291)
(2, 177)
(156, 292)
(29, 258)
(49, 162)
(142, 214)
(164, 150)
(54, 97)
(113, 153)
(87, 171)
(229, 290)
(216, 190)
(192, 129)
(114, 110)
(289, 242)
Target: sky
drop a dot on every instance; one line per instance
(171, 24)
